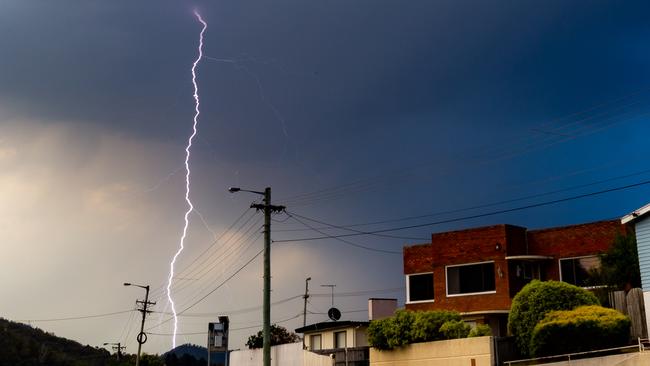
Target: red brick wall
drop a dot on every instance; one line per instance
(460, 247)
(479, 245)
(572, 241)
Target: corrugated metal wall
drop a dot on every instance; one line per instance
(642, 229)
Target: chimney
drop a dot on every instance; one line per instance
(381, 308)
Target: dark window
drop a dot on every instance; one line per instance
(340, 339)
(470, 278)
(420, 287)
(578, 271)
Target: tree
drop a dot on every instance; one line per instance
(538, 298)
(620, 264)
(279, 335)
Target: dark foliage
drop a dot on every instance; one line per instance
(279, 335)
(620, 264)
(407, 327)
(24, 345)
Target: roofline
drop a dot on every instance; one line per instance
(635, 215)
(573, 225)
(330, 325)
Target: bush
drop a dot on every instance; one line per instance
(538, 298)
(481, 330)
(407, 327)
(426, 327)
(391, 332)
(585, 328)
(455, 329)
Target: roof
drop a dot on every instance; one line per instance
(330, 325)
(636, 214)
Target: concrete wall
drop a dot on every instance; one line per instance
(456, 352)
(283, 355)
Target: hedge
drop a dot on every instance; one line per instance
(585, 328)
(455, 329)
(481, 330)
(407, 327)
(538, 298)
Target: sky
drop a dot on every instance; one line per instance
(381, 113)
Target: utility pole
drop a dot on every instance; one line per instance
(304, 311)
(117, 347)
(268, 208)
(142, 336)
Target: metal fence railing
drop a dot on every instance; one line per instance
(575, 356)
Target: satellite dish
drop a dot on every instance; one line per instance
(334, 314)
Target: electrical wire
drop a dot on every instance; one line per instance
(473, 216)
(212, 291)
(440, 213)
(364, 184)
(343, 240)
(76, 317)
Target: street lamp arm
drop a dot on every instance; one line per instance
(237, 189)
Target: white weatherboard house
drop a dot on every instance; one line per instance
(641, 221)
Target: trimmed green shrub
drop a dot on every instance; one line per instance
(455, 329)
(407, 327)
(391, 332)
(538, 298)
(481, 330)
(426, 326)
(585, 328)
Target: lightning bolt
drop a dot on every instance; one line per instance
(187, 173)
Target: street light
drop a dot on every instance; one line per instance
(267, 207)
(142, 336)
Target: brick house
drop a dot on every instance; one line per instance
(478, 271)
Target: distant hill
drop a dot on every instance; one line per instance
(191, 354)
(24, 345)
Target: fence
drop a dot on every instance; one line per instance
(356, 356)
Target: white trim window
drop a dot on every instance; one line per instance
(315, 342)
(340, 339)
(578, 270)
(470, 279)
(419, 287)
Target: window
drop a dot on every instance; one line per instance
(315, 342)
(470, 279)
(419, 287)
(340, 339)
(577, 271)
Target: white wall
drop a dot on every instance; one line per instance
(290, 354)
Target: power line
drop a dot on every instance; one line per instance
(212, 291)
(364, 184)
(234, 312)
(240, 328)
(349, 229)
(440, 213)
(184, 273)
(342, 240)
(473, 216)
(76, 317)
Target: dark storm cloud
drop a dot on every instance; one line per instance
(331, 69)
